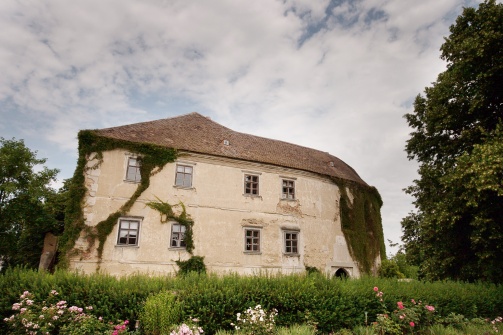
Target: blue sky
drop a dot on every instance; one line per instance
(335, 75)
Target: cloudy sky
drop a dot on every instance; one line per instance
(335, 75)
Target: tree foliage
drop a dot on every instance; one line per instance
(389, 269)
(457, 231)
(28, 205)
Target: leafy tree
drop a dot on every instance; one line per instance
(397, 265)
(389, 269)
(457, 231)
(27, 204)
(404, 266)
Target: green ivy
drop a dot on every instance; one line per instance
(193, 264)
(150, 157)
(184, 219)
(312, 269)
(361, 223)
(361, 219)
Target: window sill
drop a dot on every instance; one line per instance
(291, 255)
(252, 196)
(188, 188)
(252, 252)
(126, 246)
(132, 181)
(289, 200)
(177, 248)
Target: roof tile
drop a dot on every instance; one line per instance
(196, 133)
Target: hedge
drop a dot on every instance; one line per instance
(331, 303)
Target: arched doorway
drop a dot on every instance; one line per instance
(341, 273)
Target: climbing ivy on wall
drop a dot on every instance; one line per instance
(360, 218)
(167, 214)
(361, 223)
(150, 157)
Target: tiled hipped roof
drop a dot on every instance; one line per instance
(196, 133)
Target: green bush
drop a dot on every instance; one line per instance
(161, 313)
(193, 264)
(312, 270)
(292, 330)
(111, 298)
(314, 299)
(410, 271)
(89, 326)
(390, 269)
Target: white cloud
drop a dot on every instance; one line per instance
(283, 69)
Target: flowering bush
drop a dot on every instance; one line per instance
(497, 324)
(405, 319)
(54, 316)
(256, 321)
(121, 328)
(461, 323)
(414, 315)
(85, 324)
(188, 329)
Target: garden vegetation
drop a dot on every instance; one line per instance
(309, 301)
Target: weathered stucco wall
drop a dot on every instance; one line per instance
(220, 210)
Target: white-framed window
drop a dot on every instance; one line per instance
(252, 240)
(183, 176)
(177, 235)
(251, 184)
(133, 170)
(129, 230)
(288, 189)
(291, 239)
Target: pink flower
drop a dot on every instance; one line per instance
(400, 305)
(74, 309)
(412, 324)
(429, 308)
(376, 289)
